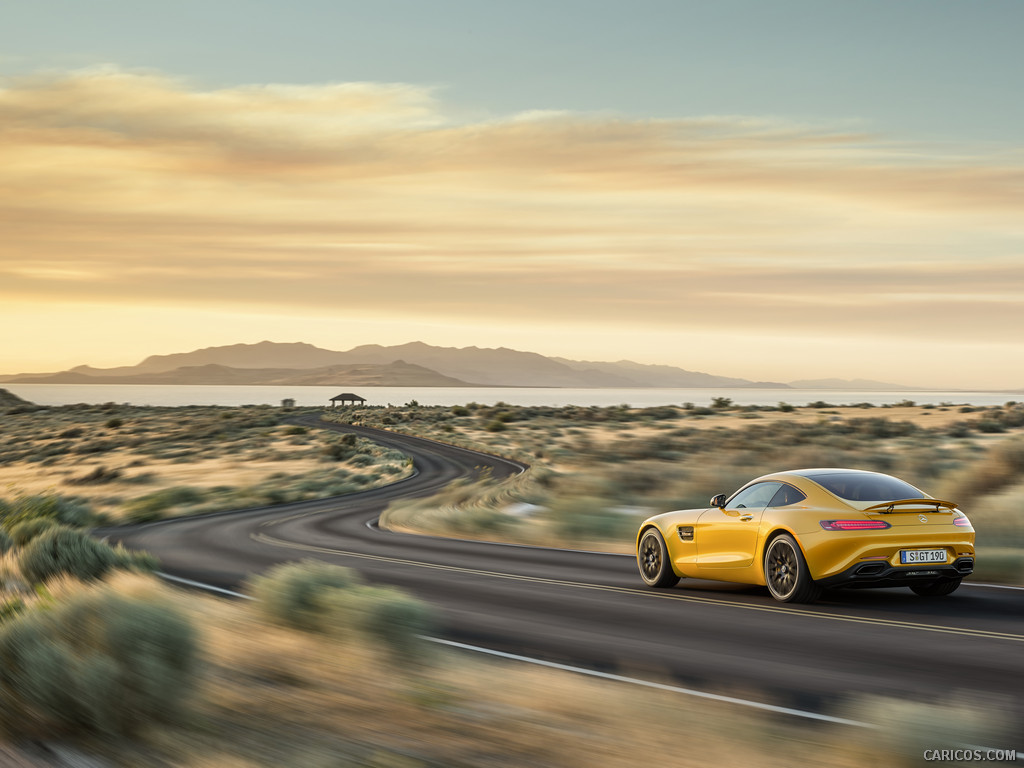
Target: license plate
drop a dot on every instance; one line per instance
(922, 556)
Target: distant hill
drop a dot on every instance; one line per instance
(496, 367)
(415, 364)
(665, 375)
(396, 374)
(266, 354)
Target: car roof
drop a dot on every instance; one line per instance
(811, 474)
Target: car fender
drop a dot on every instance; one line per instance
(772, 534)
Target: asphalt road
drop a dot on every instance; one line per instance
(592, 610)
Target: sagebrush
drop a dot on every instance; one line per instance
(94, 662)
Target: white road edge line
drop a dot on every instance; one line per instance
(991, 586)
(649, 684)
(200, 585)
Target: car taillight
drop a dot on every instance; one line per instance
(854, 525)
(961, 520)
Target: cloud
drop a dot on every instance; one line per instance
(127, 187)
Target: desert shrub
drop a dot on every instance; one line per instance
(72, 432)
(396, 619)
(97, 446)
(361, 460)
(24, 531)
(61, 551)
(95, 663)
(25, 409)
(341, 448)
(959, 429)
(990, 426)
(319, 597)
(496, 426)
(627, 480)
(295, 594)
(154, 505)
(1003, 565)
(57, 508)
(5, 541)
(1012, 417)
(339, 489)
(269, 496)
(907, 728)
(97, 476)
(876, 427)
(296, 430)
(113, 423)
(10, 607)
(460, 410)
(1002, 466)
(660, 413)
(580, 517)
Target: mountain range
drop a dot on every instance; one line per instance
(407, 365)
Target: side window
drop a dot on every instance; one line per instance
(786, 495)
(755, 496)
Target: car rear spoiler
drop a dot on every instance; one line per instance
(888, 506)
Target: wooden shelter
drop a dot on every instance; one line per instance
(346, 398)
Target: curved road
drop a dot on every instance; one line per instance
(591, 609)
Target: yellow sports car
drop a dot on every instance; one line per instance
(802, 531)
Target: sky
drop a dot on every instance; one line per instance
(774, 190)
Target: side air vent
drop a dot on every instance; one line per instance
(686, 532)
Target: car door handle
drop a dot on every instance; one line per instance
(745, 518)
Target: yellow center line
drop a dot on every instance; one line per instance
(265, 539)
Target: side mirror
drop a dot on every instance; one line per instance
(719, 501)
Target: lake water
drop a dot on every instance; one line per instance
(173, 395)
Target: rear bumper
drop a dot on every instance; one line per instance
(882, 574)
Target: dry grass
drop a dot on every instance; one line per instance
(272, 696)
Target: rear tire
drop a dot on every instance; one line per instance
(936, 588)
(786, 572)
(652, 559)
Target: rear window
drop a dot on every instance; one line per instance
(857, 487)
